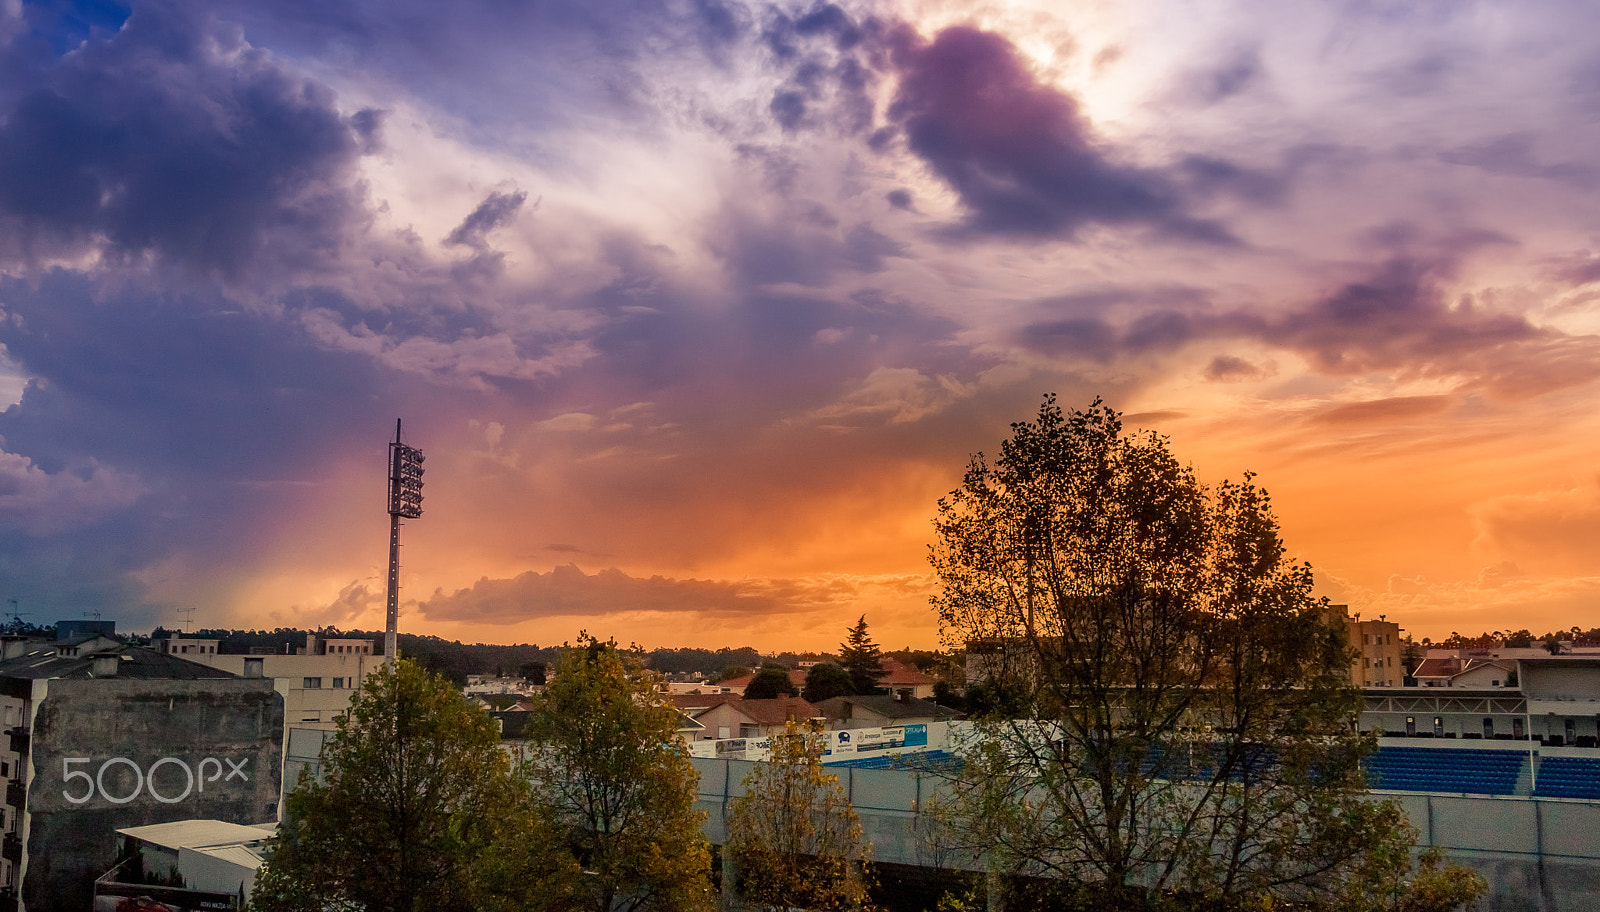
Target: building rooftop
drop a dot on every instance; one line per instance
(887, 707)
(199, 834)
(775, 711)
(133, 662)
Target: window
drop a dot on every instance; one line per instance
(338, 683)
(5, 769)
(312, 684)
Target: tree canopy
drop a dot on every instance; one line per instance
(414, 793)
(795, 840)
(1167, 708)
(770, 681)
(826, 680)
(608, 769)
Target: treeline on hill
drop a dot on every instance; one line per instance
(455, 659)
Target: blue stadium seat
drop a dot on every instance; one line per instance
(1568, 777)
(1433, 769)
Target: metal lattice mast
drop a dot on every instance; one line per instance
(405, 502)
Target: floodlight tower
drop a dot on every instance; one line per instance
(405, 502)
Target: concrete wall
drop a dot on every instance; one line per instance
(215, 875)
(108, 754)
(1578, 681)
(1538, 855)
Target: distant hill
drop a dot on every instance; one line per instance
(455, 659)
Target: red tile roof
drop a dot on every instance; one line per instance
(796, 677)
(775, 711)
(898, 674)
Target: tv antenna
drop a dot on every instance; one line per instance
(16, 615)
(188, 618)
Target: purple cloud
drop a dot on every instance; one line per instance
(174, 137)
(1020, 154)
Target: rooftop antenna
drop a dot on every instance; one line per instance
(16, 615)
(405, 502)
(188, 618)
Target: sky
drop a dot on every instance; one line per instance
(697, 307)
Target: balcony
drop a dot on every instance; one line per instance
(16, 794)
(19, 740)
(11, 848)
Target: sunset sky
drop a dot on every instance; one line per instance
(698, 306)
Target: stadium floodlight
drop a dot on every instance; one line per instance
(405, 502)
(405, 480)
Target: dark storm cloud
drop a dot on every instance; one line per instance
(170, 385)
(1211, 85)
(1230, 369)
(1396, 408)
(1514, 156)
(784, 35)
(830, 80)
(539, 64)
(1395, 320)
(158, 424)
(1019, 153)
(175, 138)
(496, 210)
(775, 349)
(806, 245)
(569, 592)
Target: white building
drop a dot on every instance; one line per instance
(317, 682)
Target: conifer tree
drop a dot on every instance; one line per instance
(862, 658)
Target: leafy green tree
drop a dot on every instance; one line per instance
(608, 769)
(794, 838)
(770, 681)
(415, 794)
(862, 658)
(1169, 708)
(826, 680)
